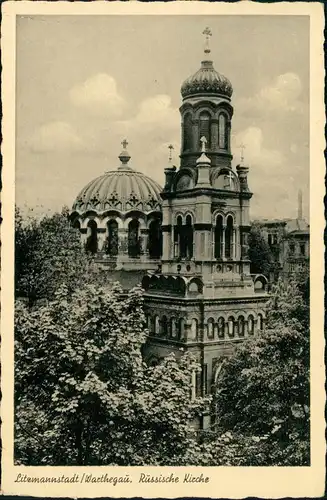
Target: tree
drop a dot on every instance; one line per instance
(84, 394)
(264, 389)
(48, 252)
(260, 255)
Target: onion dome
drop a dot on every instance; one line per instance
(123, 190)
(207, 80)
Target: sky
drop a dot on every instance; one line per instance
(85, 83)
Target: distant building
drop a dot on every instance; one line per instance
(289, 241)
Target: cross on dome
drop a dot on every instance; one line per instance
(207, 32)
(124, 156)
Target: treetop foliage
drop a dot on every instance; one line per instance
(48, 253)
(265, 389)
(79, 368)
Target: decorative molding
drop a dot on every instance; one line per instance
(202, 226)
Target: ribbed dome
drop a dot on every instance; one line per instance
(207, 81)
(123, 190)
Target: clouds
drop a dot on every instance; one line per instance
(274, 178)
(255, 152)
(56, 136)
(158, 109)
(99, 117)
(98, 96)
(282, 95)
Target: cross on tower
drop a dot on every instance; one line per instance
(207, 32)
(228, 178)
(203, 141)
(170, 147)
(124, 143)
(242, 147)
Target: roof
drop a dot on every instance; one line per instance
(290, 225)
(124, 189)
(206, 81)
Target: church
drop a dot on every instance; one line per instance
(188, 241)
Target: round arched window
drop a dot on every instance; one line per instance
(173, 327)
(260, 322)
(221, 328)
(241, 323)
(194, 329)
(222, 124)
(231, 326)
(211, 327)
(204, 128)
(251, 324)
(164, 325)
(156, 324)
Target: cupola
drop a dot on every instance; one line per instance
(206, 112)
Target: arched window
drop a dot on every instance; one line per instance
(229, 238)
(221, 328)
(211, 328)
(164, 326)
(149, 323)
(194, 329)
(188, 236)
(173, 327)
(156, 324)
(231, 325)
(251, 324)
(188, 132)
(260, 322)
(155, 240)
(218, 237)
(133, 238)
(179, 242)
(112, 245)
(205, 127)
(92, 237)
(241, 324)
(222, 132)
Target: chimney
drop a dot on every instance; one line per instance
(299, 207)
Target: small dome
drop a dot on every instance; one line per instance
(207, 81)
(123, 190)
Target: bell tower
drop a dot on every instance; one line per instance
(206, 111)
(203, 298)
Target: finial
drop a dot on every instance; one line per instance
(203, 141)
(207, 32)
(171, 148)
(203, 159)
(242, 147)
(124, 156)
